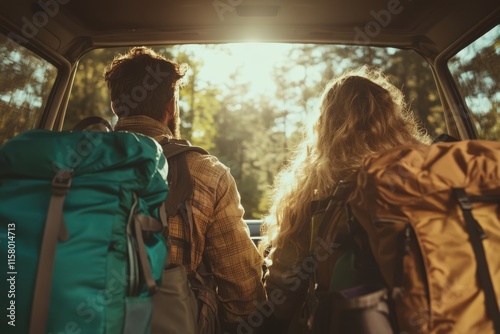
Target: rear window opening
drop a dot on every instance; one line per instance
(246, 102)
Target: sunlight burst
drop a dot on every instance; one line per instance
(253, 63)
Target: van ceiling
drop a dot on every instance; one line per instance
(73, 26)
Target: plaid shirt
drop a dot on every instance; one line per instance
(219, 231)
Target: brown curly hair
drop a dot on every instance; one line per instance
(142, 82)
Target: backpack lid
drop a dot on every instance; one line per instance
(42, 153)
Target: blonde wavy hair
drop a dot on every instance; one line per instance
(361, 113)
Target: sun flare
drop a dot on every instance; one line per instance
(253, 63)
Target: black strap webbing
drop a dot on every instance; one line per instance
(476, 235)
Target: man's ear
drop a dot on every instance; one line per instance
(170, 109)
(119, 109)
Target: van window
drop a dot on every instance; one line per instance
(246, 102)
(25, 84)
(476, 71)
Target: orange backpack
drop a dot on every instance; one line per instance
(432, 216)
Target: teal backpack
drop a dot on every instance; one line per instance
(80, 231)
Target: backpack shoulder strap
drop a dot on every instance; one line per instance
(172, 147)
(323, 225)
(180, 181)
(340, 195)
(322, 216)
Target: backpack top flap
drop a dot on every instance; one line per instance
(41, 153)
(180, 181)
(402, 178)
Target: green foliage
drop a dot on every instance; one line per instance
(478, 75)
(25, 85)
(407, 70)
(199, 104)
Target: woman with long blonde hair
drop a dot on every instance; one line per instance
(360, 113)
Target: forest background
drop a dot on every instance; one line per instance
(247, 103)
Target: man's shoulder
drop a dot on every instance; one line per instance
(205, 166)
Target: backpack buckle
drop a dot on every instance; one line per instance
(61, 182)
(462, 198)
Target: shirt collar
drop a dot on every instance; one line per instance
(144, 125)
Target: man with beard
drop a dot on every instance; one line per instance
(144, 90)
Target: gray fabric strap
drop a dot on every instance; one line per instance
(54, 229)
(369, 300)
(180, 181)
(145, 223)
